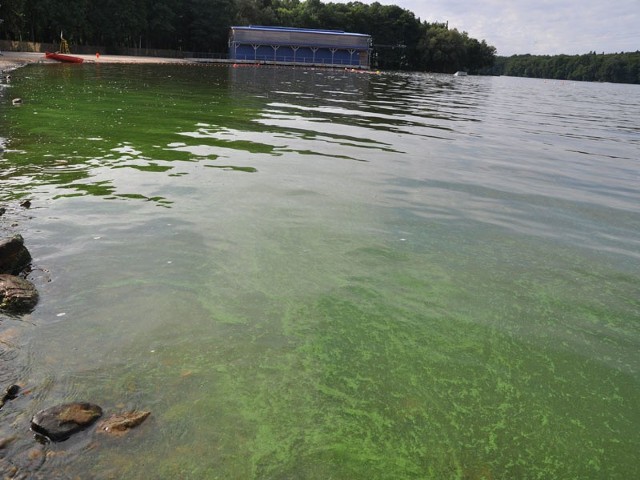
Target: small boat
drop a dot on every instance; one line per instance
(61, 57)
(460, 73)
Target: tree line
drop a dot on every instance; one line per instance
(590, 67)
(401, 41)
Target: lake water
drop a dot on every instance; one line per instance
(312, 274)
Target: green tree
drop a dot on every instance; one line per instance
(12, 13)
(163, 19)
(120, 22)
(444, 50)
(616, 67)
(401, 41)
(206, 24)
(255, 12)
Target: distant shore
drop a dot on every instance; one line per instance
(12, 60)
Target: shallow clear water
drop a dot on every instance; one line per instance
(325, 274)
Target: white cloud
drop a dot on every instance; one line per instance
(537, 27)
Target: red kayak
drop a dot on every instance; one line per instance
(63, 58)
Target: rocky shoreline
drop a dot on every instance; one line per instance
(20, 456)
(17, 294)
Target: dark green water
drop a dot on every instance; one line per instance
(325, 275)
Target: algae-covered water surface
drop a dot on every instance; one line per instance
(310, 274)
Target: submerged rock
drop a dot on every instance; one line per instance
(17, 294)
(60, 422)
(10, 393)
(118, 424)
(14, 256)
(5, 442)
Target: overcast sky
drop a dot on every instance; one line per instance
(544, 27)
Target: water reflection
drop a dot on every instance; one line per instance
(356, 275)
(481, 137)
(337, 114)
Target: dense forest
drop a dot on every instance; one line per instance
(592, 67)
(401, 41)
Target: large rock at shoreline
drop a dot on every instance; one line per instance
(60, 422)
(14, 256)
(17, 294)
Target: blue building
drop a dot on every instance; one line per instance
(285, 45)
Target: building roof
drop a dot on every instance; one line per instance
(298, 30)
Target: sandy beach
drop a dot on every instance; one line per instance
(12, 60)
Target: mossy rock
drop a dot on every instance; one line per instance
(60, 422)
(14, 256)
(17, 295)
(118, 424)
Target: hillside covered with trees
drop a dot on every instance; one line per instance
(401, 41)
(591, 67)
